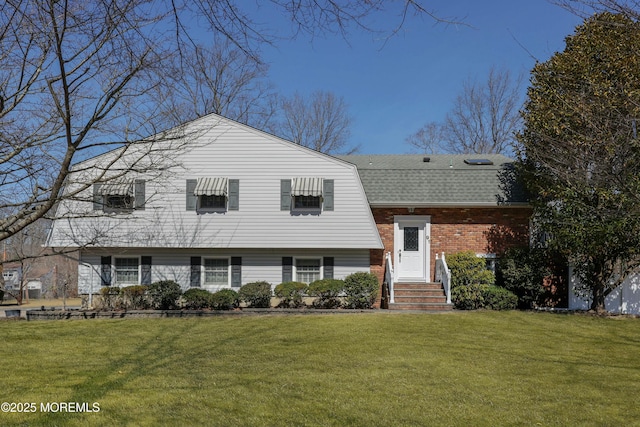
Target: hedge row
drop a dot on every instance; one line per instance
(358, 290)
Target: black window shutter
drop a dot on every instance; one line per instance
(97, 197)
(236, 271)
(196, 261)
(327, 194)
(287, 269)
(105, 270)
(146, 270)
(192, 199)
(327, 262)
(285, 194)
(139, 195)
(234, 194)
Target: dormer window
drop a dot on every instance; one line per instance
(212, 193)
(119, 195)
(306, 193)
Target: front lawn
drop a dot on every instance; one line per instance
(463, 368)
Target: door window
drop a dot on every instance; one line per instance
(411, 241)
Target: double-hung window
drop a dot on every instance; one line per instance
(127, 271)
(216, 271)
(308, 270)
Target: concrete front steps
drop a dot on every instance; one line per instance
(420, 296)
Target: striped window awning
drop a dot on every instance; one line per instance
(306, 187)
(116, 188)
(211, 187)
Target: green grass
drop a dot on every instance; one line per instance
(477, 368)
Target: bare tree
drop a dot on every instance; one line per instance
(81, 78)
(224, 80)
(426, 140)
(320, 122)
(486, 116)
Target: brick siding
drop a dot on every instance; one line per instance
(482, 230)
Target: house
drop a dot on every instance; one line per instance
(12, 277)
(238, 205)
(232, 205)
(428, 206)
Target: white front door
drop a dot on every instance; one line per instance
(411, 243)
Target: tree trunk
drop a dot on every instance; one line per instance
(598, 297)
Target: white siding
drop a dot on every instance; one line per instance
(257, 265)
(625, 299)
(259, 161)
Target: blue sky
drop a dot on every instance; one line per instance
(393, 88)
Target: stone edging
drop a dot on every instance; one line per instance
(38, 314)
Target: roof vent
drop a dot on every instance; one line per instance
(476, 162)
(426, 159)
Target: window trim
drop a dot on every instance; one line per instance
(203, 276)
(294, 268)
(114, 271)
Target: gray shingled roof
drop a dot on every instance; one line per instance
(446, 179)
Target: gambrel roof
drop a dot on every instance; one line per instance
(438, 180)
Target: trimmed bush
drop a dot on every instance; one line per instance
(361, 290)
(224, 299)
(522, 271)
(164, 294)
(110, 297)
(196, 299)
(327, 293)
(256, 294)
(469, 297)
(497, 298)
(290, 294)
(466, 268)
(134, 297)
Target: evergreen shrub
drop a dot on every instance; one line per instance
(196, 299)
(134, 297)
(290, 294)
(225, 299)
(256, 294)
(164, 294)
(361, 290)
(497, 298)
(327, 292)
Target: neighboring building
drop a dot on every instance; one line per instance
(12, 275)
(426, 206)
(238, 205)
(625, 299)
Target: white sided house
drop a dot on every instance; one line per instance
(233, 205)
(625, 299)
